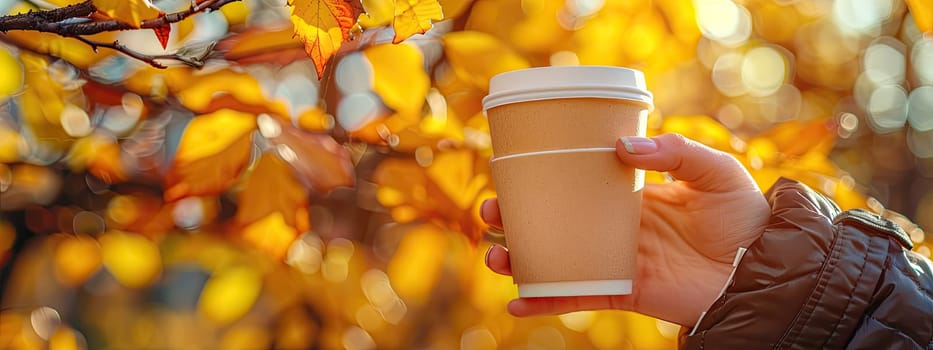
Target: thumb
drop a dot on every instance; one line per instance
(701, 167)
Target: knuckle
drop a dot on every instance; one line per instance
(674, 139)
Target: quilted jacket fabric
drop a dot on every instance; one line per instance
(820, 278)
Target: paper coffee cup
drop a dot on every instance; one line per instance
(570, 208)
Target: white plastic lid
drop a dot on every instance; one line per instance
(546, 83)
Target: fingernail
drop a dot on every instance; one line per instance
(483, 205)
(486, 259)
(638, 145)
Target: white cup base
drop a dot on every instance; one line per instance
(575, 288)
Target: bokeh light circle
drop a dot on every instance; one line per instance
(861, 16)
(920, 108)
(727, 75)
(921, 58)
(887, 108)
(884, 64)
(763, 70)
(354, 74)
(723, 21)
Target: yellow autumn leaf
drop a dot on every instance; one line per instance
(222, 89)
(453, 172)
(454, 8)
(414, 17)
(72, 50)
(922, 11)
(212, 133)
(378, 13)
(399, 76)
(132, 259)
(476, 57)
(416, 265)
(43, 101)
(133, 12)
(63, 3)
(323, 25)
(702, 128)
(213, 150)
(11, 74)
(681, 17)
(230, 294)
(271, 234)
(236, 12)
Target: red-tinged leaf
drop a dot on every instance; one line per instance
(163, 32)
(323, 25)
(319, 161)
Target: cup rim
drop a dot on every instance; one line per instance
(546, 83)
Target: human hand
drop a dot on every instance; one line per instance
(690, 232)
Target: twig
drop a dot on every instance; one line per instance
(152, 60)
(116, 45)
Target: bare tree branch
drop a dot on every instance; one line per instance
(33, 19)
(61, 21)
(38, 20)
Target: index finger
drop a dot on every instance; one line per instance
(560, 305)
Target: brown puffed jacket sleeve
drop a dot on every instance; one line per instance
(819, 278)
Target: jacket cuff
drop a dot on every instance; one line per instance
(802, 280)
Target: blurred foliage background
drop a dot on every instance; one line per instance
(249, 204)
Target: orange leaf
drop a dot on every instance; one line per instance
(213, 150)
(140, 212)
(323, 25)
(262, 44)
(270, 234)
(414, 17)
(273, 206)
(272, 187)
(107, 164)
(320, 162)
(795, 138)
